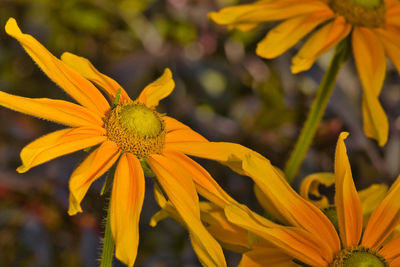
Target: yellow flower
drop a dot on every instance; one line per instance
(374, 27)
(352, 246)
(127, 134)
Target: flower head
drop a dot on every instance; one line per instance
(128, 133)
(353, 245)
(373, 25)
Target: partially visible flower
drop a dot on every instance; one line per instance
(128, 133)
(374, 27)
(358, 246)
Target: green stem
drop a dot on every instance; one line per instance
(108, 243)
(317, 110)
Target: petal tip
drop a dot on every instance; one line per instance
(12, 27)
(22, 169)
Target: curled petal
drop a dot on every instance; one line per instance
(157, 90)
(311, 184)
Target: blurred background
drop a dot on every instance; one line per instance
(223, 91)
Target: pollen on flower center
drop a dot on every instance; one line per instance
(136, 128)
(359, 256)
(365, 13)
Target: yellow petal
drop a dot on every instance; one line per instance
(289, 33)
(320, 42)
(311, 185)
(288, 203)
(371, 197)
(390, 38)
(384, 219)
(72, 82)
(179, 132)
(269, 206)
(228, 234)
(263, 11)
(95, 165)
(205, 184)
(86, 69)
(60, 111)
(391, 251)
(180, 190)
(157, 90)
(371, 66)
(347, 202)
(298, 243)
(126, 204)
(393, 14)
(59, 143)
(266, 256)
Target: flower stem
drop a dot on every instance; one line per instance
(342, 52)
(108, 243)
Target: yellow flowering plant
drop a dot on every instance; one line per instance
(127, 134)
(371, 26)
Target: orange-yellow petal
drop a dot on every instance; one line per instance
(320, 42)
(60, 111)
(157, 90)
(391, 250)
(289, 32)
(72, 82)
(296, 242)
(291, 206)
(126, 204)
(205, 184)
(180, 190)
(311, 184)
(59, 143)
(370, 61)
(390, 38)
(347, 202)
(95, 165)
(85, 68)
(384, 219)
(266, 256)
(179, 132)
(263, 11)
(393, 14)
(371, 197)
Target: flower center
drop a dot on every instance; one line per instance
(365, 13)
(135, 128)
(359, 256)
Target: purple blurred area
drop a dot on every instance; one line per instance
(223, 91)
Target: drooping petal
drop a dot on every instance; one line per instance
(311, 184)
(180, 190)
(347, 202)
(320, 42)
(263, 11)
(228, 234)
(384, 219)
(87, 70)
(205, 184)
(391, 250)
(157, 90)
(296, 242)
(179, 132)
(291, 206)
(266, 256)
(59, 143)
(126, 204)
(72, 82)
(371, 66)
(390, 39)
(60, 111)
(289, 33)
(95, 165)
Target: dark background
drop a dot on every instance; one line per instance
(223, 91)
